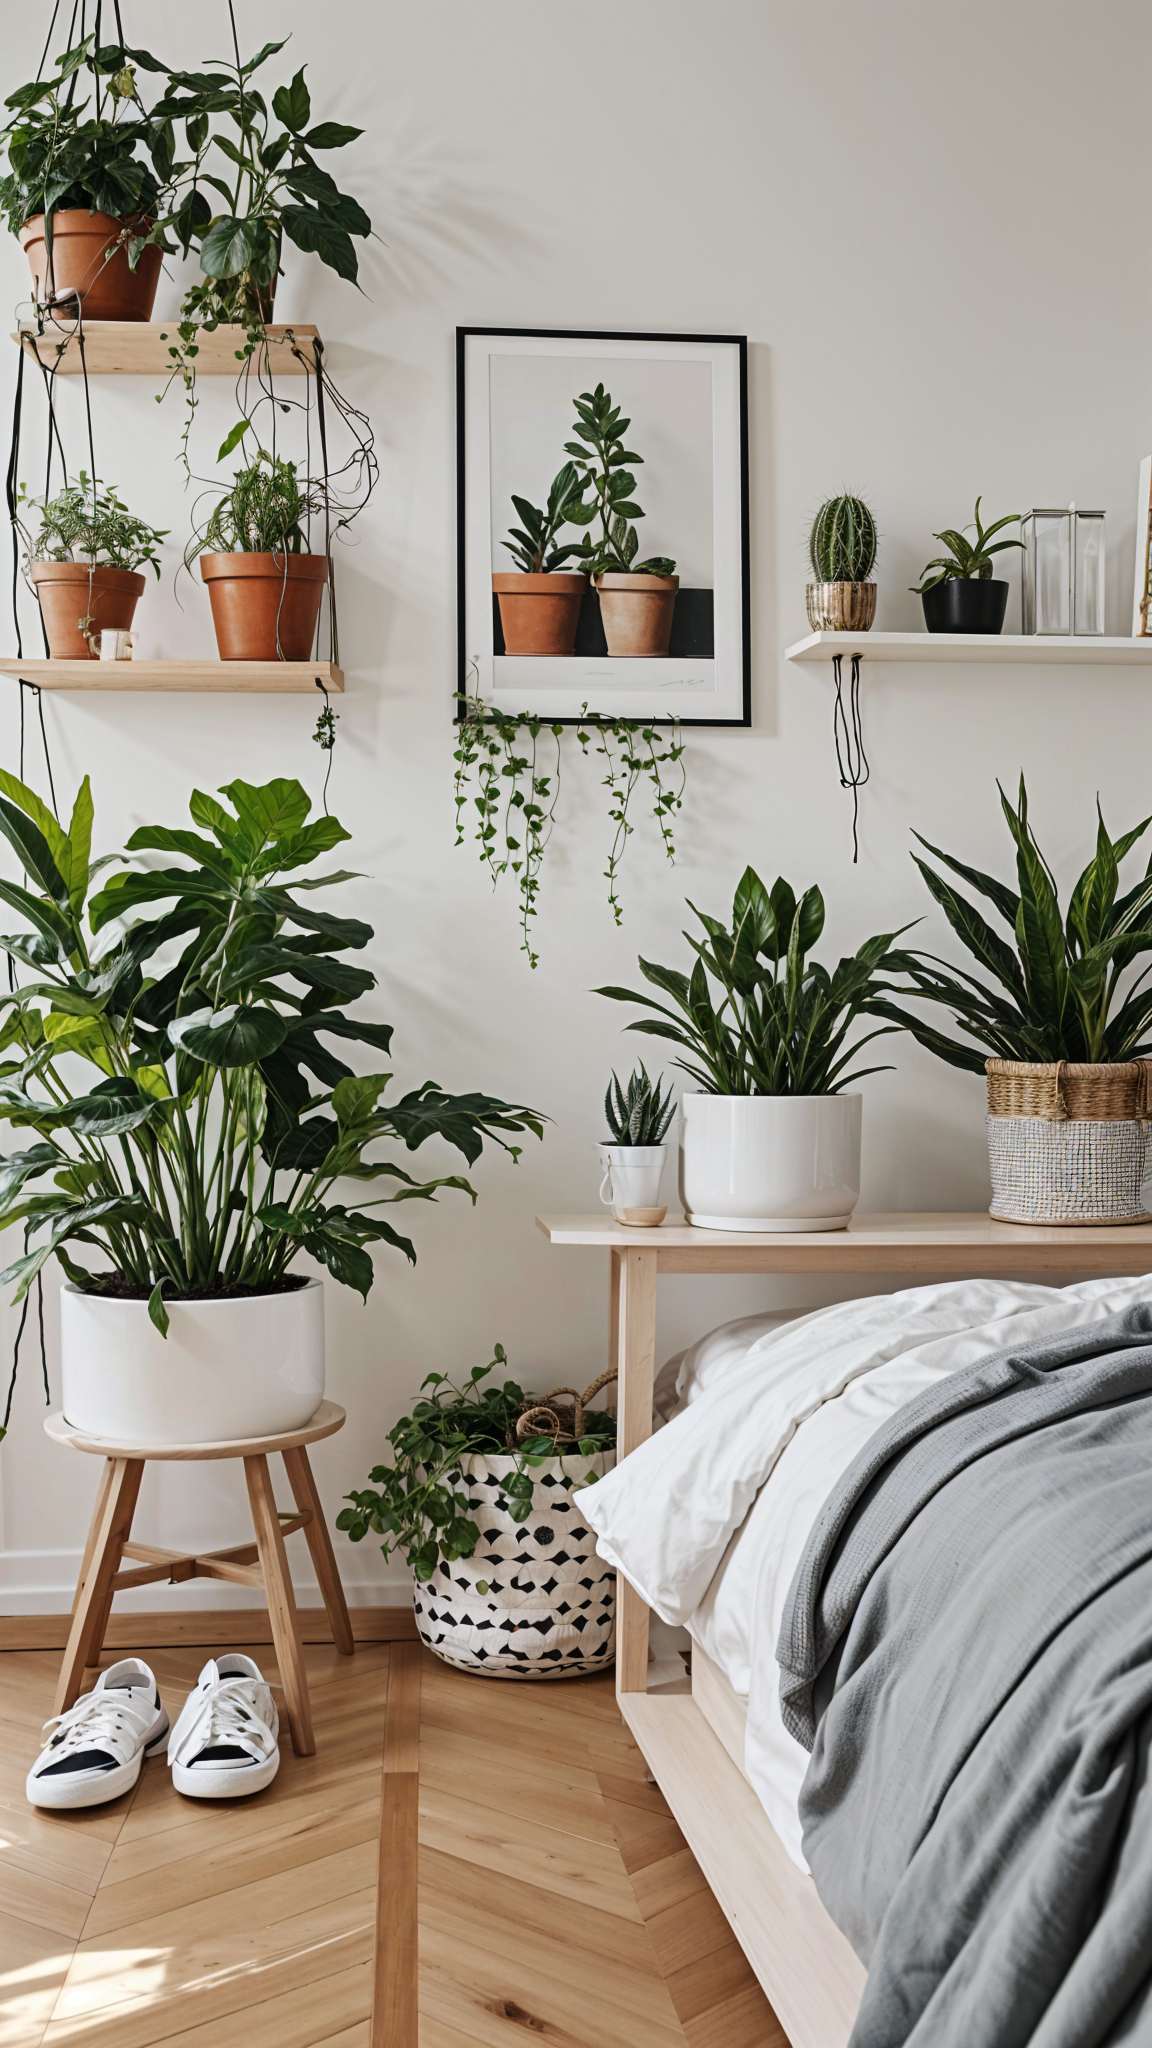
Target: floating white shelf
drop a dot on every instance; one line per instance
(143, 348)
(263, 677)
(1042, 650)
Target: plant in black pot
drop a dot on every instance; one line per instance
(959, 592)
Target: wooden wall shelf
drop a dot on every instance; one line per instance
(264, 678)
(1042, 650)
(122, 348)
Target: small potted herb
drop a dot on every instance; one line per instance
(639, 1118)
(86, 178)
(264, 585)
(842, 551)
(637, 599)
(959, 592)
(540, 608)
(83, 564)
(478, 1491)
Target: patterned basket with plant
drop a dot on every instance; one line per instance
(507, 1582)
(1069, 1086)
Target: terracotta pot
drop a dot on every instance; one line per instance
(66, 597)
(260, 612)
(637, 612)
(539, 613)
(108, 289)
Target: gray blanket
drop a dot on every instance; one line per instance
(967, 1652)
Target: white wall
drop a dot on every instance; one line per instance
(934, 238)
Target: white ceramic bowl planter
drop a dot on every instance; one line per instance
(770, 1162)
(227, 1370)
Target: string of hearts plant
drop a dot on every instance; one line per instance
(500, 761)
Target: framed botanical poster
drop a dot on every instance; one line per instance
(603, 524)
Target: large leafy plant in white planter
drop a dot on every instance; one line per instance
(202, 1151)
(772, 1141)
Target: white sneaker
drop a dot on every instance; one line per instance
(224, 1744)
(95, 1751)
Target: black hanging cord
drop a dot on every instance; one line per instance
(11, 487)
(851, 759)
(333, 628)
(48, 41)
(119, 28)
(15, 1363)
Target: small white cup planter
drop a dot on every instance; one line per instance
(770, 1162)
(227, 1370)
(631, 1183)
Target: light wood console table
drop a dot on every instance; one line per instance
(694, 1744)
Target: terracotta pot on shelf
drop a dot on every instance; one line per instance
(67, 594)
(108, 288)
(265, 607)
(539, 613)
(636, 612)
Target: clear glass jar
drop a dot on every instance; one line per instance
(1088, 573)
(1046, 571)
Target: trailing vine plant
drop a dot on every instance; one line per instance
(514, 788)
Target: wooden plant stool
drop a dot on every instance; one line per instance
(263, 1563)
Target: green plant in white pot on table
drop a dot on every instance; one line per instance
(478, 1494)
(639, 1118)
(200, 1158)
(772, 1141)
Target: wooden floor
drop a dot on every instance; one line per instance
(556, 1899)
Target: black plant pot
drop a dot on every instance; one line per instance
(966, 605)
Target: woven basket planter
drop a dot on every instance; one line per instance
(1068, 1143)
(534, 1601)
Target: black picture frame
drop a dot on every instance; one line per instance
(584, 335)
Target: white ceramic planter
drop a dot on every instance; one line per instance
(631, 1183)
(226, 1370)
(770, 1162)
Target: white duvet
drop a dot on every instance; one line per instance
(709, 1517)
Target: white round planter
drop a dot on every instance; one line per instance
(770, 1162)
(226, 1370)
(631, 1183)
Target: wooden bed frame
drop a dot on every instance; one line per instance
(694, 1742)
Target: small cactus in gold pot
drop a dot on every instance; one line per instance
(842, 550)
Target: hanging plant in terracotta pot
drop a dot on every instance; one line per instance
(264, 584)
(539, 606)
(87, 177)
(83, 565)
(637, 599)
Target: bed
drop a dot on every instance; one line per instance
(706, 1529)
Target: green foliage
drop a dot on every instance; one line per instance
(419, 1503)
(843, 541)
(201, 1155)
(1048, 992)
(966, 558)
(262, 514)
(639, 1114)
(530, 543)
(602, 462)
(499, 759)
(71, 148)
(84, 523)
(782, 1021)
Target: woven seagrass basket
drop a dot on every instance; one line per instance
(1069, 1143)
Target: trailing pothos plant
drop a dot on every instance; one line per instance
(419, 1502)
(202, 1150)
(515, 790)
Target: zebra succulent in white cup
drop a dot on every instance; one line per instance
(639, 1118)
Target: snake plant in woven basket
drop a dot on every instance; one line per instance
(639, 1114)
(843, 540)
(1053, 993)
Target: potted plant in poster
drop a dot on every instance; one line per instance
(772, 1141)
(637, 599)
(539, 606)
(200, 1159)
(963, 596)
